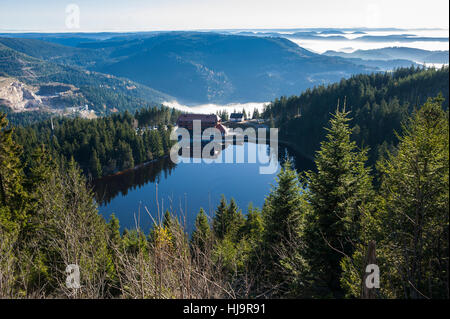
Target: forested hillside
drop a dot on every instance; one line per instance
(101, 92)
(221, 68)
(53, 52)
(378, 104)
(105, 145)
(309, 240)
(198, 67)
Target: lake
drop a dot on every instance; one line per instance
(184, 188)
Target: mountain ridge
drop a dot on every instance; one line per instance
(390, 53)
(102, 92)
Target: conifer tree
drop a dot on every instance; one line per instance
(95, 166)
(114, 231)
(253, 227)
(41, 166)
(219, 221)
(156, 143)
(283, 218)
(235, 221)
(256, 114)
(13, 198)
(411, 218)
(201, 237)
(228, 220)
(336, 193)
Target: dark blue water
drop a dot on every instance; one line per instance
(186, 187)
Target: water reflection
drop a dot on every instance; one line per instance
(185, 187)
(107, 188)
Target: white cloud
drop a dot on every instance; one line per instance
(213, 108)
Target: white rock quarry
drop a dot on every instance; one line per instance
(17, 95)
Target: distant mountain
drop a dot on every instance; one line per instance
(53, 52)
(316, 36)
(365, 38)
(197, 67)
(31, 82)
(200, 67)
(332, 32)
(412, 54)
(67, 39)
(436, 57)
(339, 35)
(383, 65)
(400, 38)
(211, 67)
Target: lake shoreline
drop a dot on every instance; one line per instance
(280, 143)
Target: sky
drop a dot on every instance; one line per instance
(149, 15)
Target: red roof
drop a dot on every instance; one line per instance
(211, 118)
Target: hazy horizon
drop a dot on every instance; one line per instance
(285, 29)
(176, 15)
